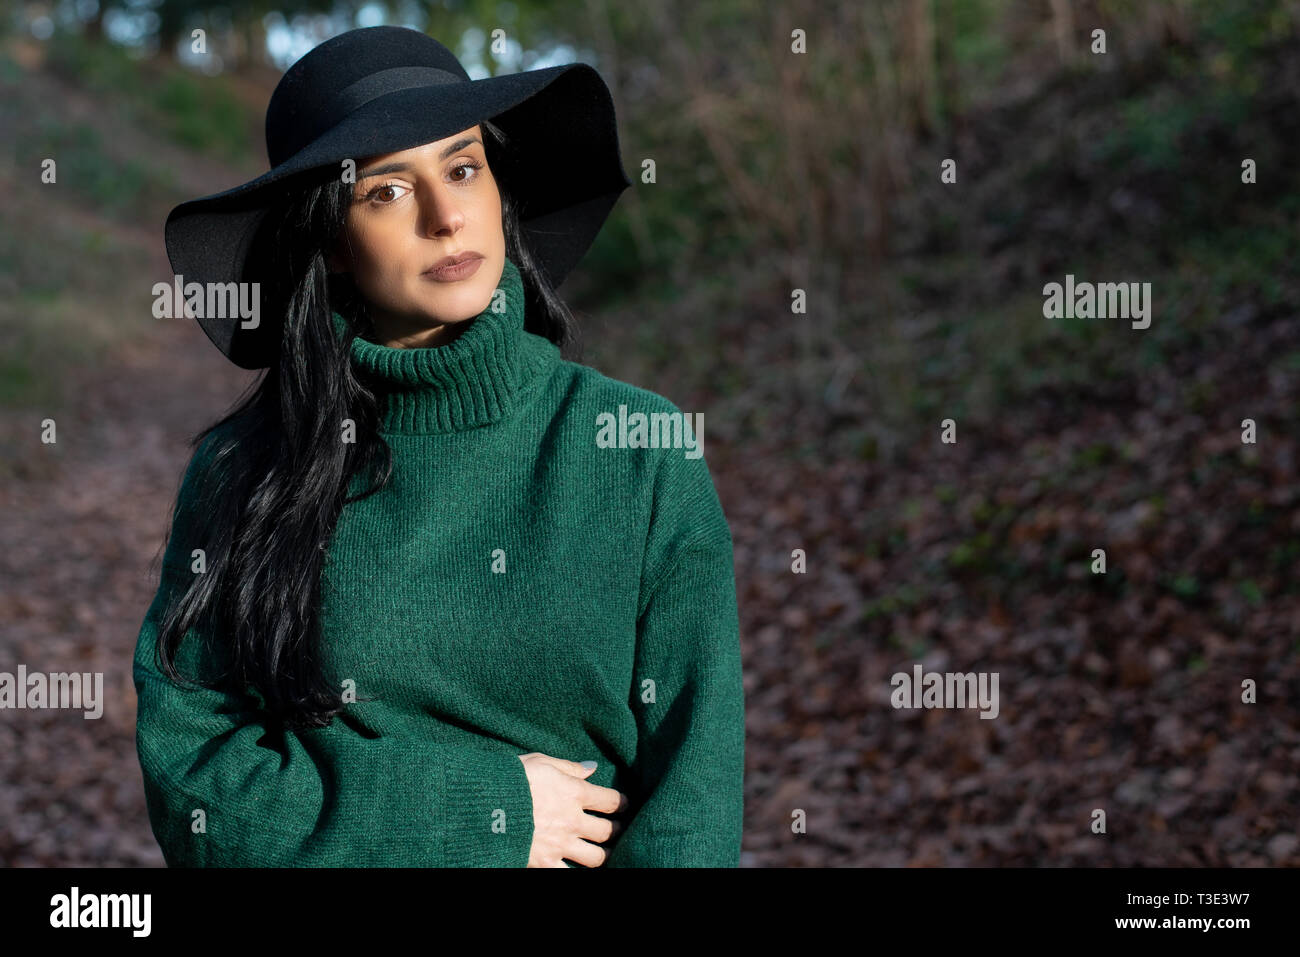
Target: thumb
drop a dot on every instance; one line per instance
(581, 769)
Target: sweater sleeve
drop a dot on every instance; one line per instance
(687, 689)
(325, 797)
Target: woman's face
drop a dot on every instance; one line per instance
(410, 210)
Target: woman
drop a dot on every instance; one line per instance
(407, 588)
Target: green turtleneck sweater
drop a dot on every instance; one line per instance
(518, 586)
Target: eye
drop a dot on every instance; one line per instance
(374, 194)
(472, 164)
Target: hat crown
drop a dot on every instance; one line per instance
(336, 77)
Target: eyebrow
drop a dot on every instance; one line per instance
(460, 144)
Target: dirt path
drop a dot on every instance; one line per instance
(1099, 692)
(80, 531)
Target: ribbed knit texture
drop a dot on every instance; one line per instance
(611, 635)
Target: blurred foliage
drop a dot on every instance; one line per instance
(196, 112)
(776, 171)
(114, 186)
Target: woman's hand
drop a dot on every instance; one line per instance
(562, 828)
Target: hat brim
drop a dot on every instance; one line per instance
(569, 178)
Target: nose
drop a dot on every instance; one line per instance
(440, 211)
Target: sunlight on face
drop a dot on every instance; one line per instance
(410, 210)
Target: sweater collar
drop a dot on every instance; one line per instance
(473, 380)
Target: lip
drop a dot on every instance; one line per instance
(454, 268)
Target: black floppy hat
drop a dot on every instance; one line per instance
(383, 89)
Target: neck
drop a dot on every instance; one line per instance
(474, 379)
(403, 333)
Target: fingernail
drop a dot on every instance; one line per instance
(589, 765)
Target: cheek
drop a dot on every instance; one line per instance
(381, 260)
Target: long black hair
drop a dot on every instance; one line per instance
(276, 476)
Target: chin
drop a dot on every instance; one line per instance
(457, 301)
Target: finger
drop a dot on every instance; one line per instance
(573, 768)
(606, 800)
(596, 829)
(588, 855)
